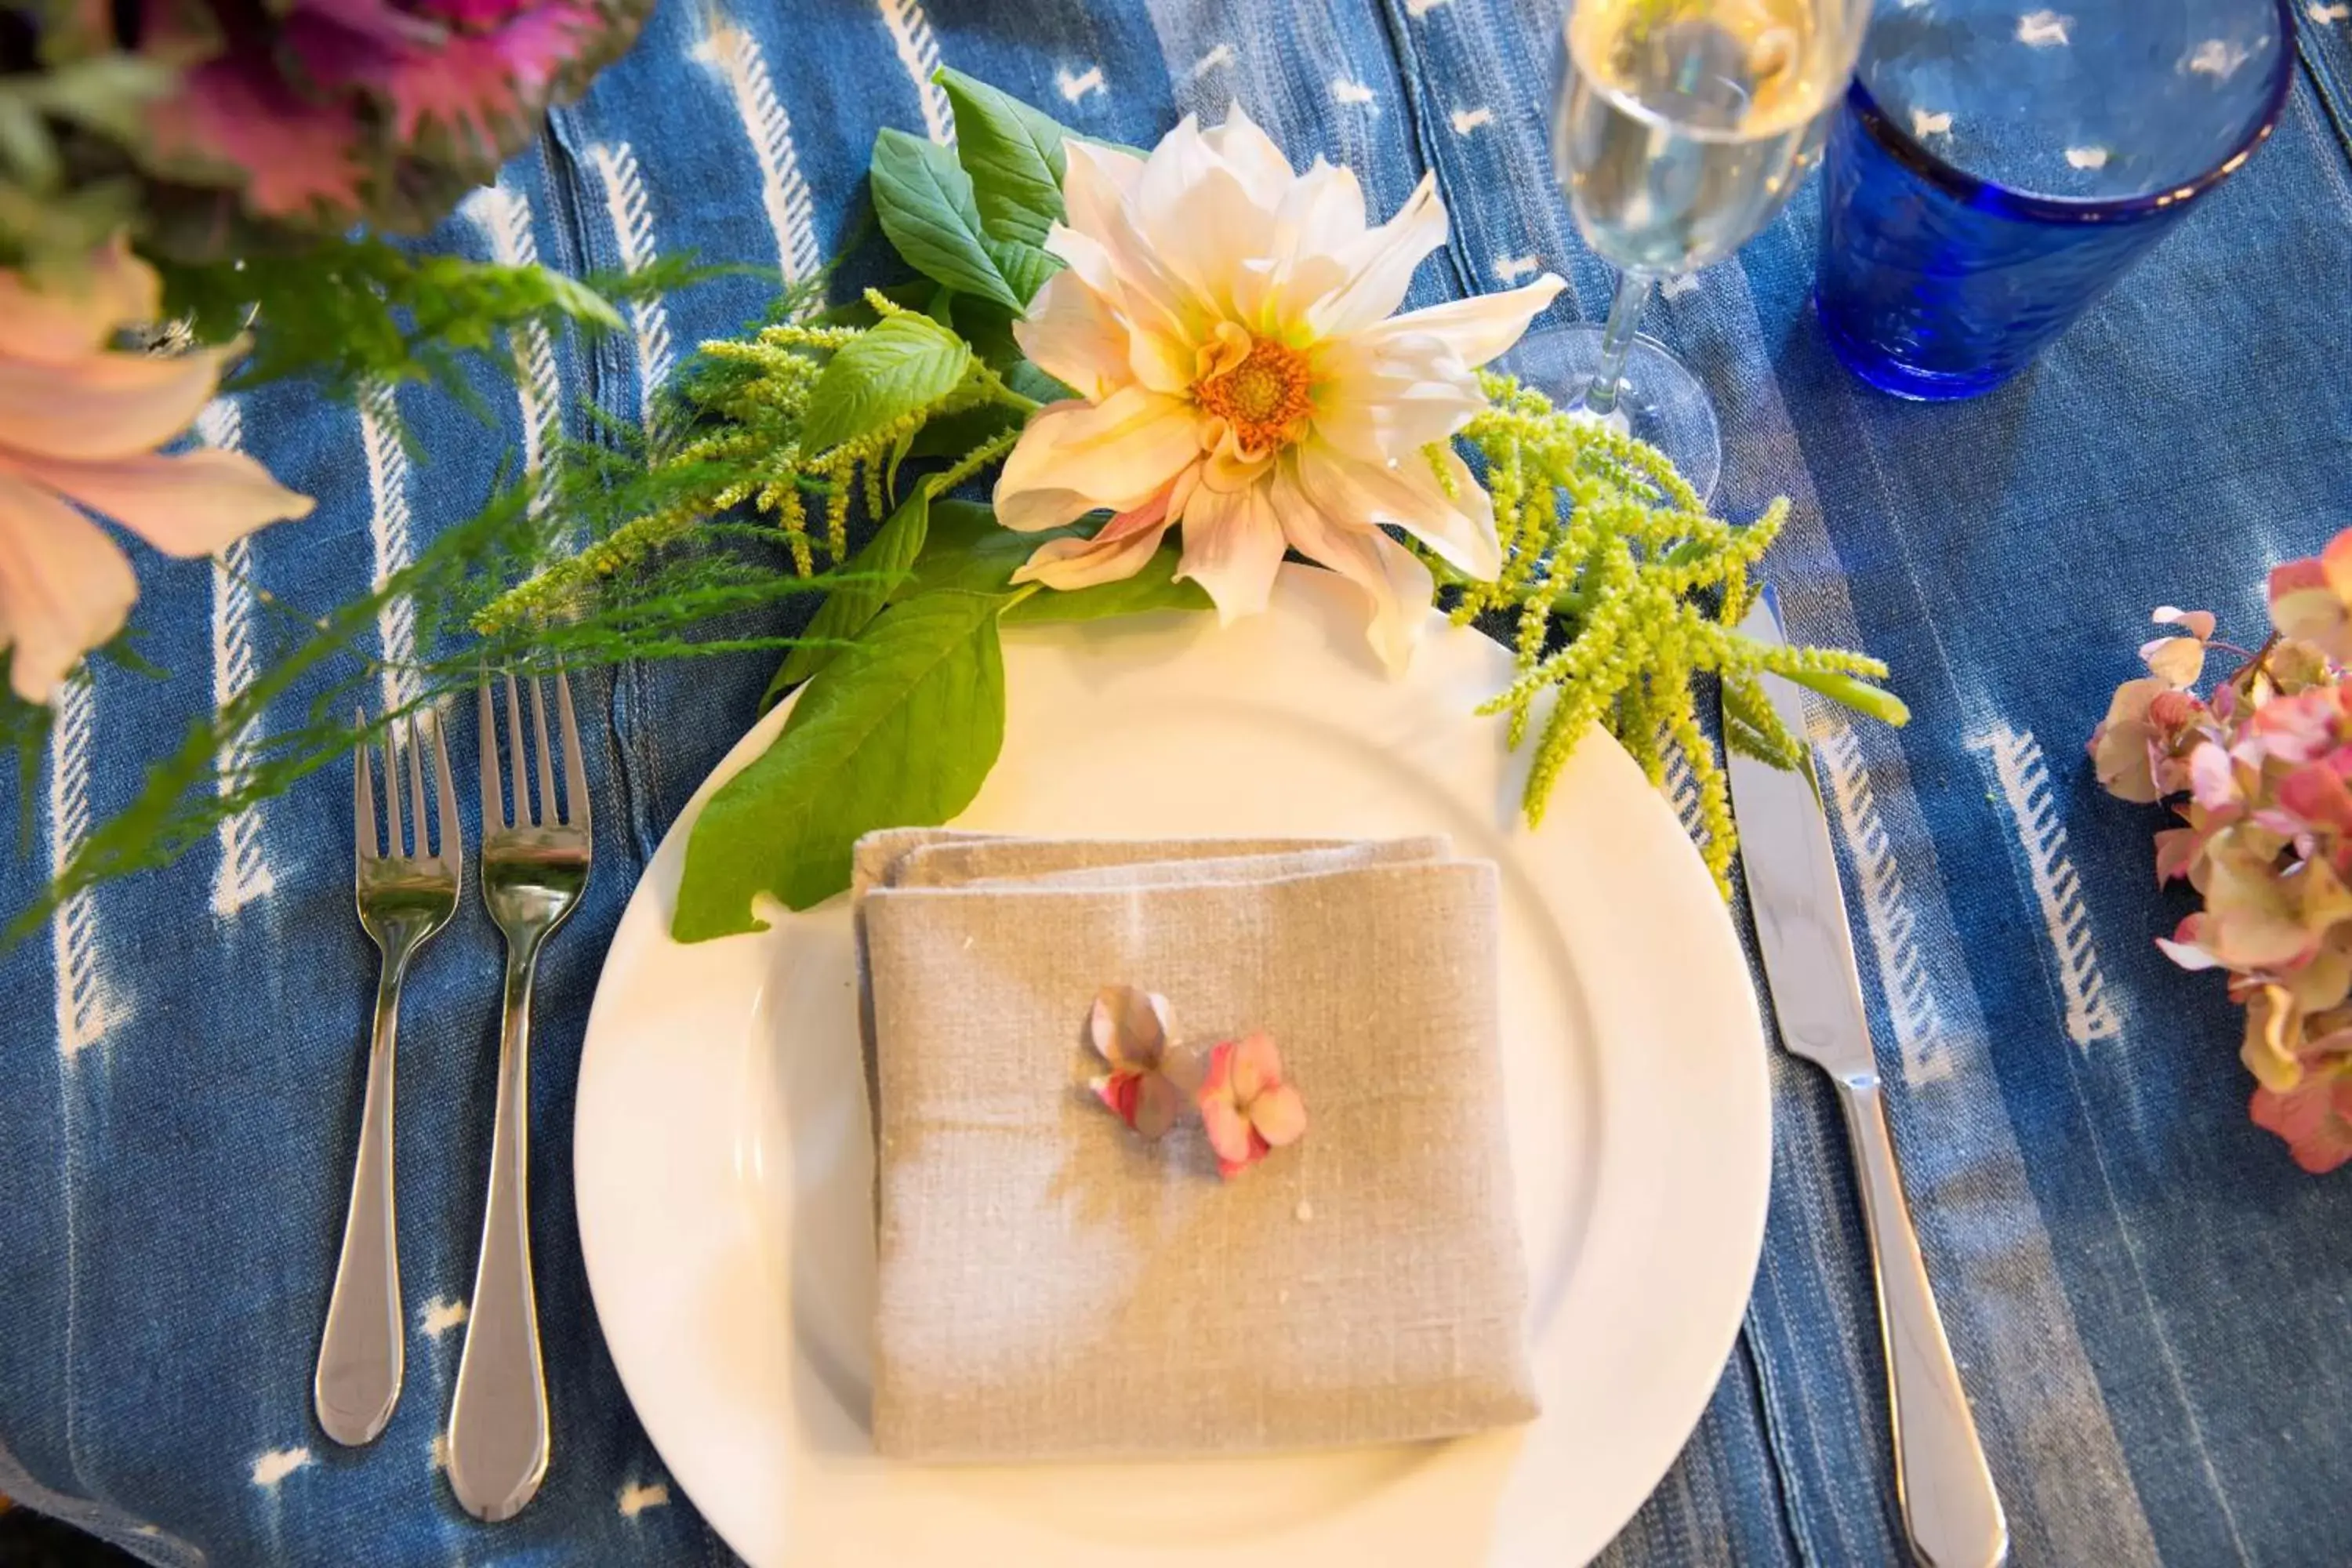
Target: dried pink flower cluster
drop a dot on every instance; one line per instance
(2258, 772)
(1237, 1087)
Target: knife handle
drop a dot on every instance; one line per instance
(1949, 1507)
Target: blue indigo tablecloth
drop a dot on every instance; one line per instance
(2148, 1300)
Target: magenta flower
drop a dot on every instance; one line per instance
(317, 113)
(1246, 1109)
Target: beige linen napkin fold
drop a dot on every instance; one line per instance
(1052, 1286)
(948, 854)
(1072, 864)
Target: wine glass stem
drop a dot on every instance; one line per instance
(1617, 341)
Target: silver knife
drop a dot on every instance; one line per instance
(1949, 1507)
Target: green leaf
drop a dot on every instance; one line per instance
(900, 730)
(1024, 266)
(906, 364)
(25, 144)
(953, 434)
(1014, 154)
(926, 204)
(873, 574)
(969, 552)
(1034, 384)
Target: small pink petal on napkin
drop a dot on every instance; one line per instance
(1128, 1029)
(1246, 1109)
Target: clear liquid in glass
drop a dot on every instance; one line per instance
(1687, 124)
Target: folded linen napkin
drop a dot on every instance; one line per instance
(1053, 1286)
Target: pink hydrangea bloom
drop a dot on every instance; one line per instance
(2261, 772)
(1246, 1108)
(2311, 599)
(2315, 1118)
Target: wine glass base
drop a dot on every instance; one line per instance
(1658, 401)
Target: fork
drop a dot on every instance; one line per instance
(404, 898)
(534, 866)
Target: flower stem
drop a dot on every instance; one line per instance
(2256, 666)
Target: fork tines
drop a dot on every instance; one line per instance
(543, 811)
(403, 835)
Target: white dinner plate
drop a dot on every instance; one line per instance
(725, 1165)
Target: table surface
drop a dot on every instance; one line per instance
(2148, 1300)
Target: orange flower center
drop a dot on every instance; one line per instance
(1264, 396)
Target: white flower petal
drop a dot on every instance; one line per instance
(64, 587)
(1316, 222)
(1095, 181)
(1160, 360)
(1074, 335)
(1170, 169)
(1040, 510)
(1380, 266)
(1232, 547)
(1251, 156)
(1378, 415)
(1081, 251)
(1202, 234)
(1460, 527)
(1478, 328)
(1118, 263)
(1116, 453)
(1391, 576)
(1322, 214)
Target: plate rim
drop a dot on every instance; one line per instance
(1744, 1231)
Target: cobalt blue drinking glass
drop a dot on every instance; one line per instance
(1998, 167)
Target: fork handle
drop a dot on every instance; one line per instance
(498, 1420)
(361, 1358)
(1951, 1508)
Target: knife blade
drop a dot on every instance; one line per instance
(1792, 885)
(1951, 1510)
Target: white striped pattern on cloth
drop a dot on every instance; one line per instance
(243, 875)
(84, 1004)
(388, 533)
(2023, 777)
(503, 216)
(631, 215)
(918, 51)
(734, 54)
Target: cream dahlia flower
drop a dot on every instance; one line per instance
(79, 423)
(1228, 324)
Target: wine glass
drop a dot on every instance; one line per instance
(1681, 128)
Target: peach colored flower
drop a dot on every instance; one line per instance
(1128, 1029)
(1227, 323)
(2311, 599)
(1246, 1109)
(79, 423)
